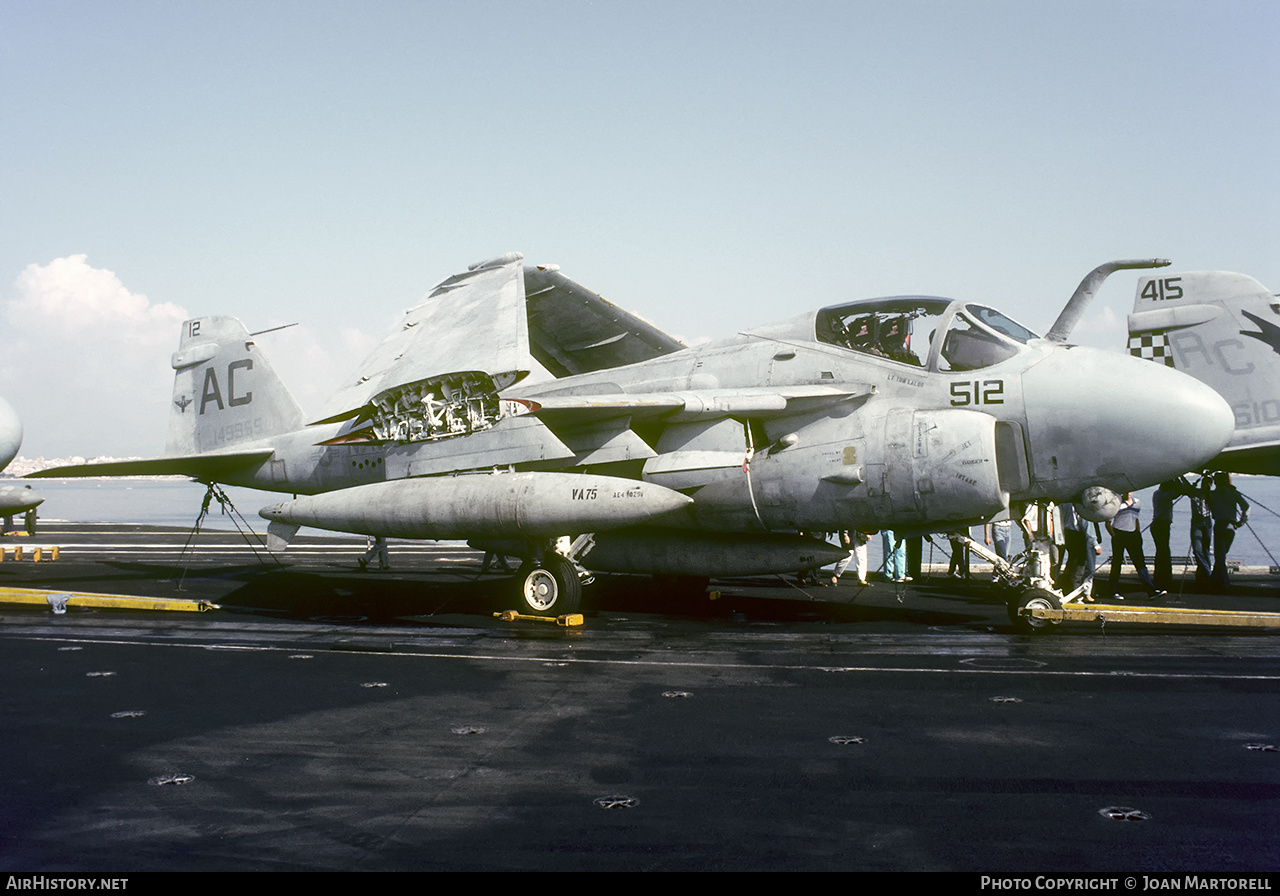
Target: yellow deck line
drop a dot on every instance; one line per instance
(40, 597)
(1181, 615)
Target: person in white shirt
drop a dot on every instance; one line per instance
(1126, 536)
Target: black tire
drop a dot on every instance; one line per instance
(1037, 598)
(549, 588)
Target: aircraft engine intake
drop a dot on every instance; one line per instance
(928, 466)
(953, 473)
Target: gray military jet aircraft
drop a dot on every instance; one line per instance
(14, 499)
(1224, 330)
(514, 405)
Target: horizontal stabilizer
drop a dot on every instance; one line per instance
(209, 466)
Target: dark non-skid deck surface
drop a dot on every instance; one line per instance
(328, 719)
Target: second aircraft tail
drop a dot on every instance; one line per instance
(1224, 330)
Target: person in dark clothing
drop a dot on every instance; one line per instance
(1081, 551)
(959, 566)
(1161, 525)
(1201, 525)
(1230, 511)
(915, 556)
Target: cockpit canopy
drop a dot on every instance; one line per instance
(906, 329)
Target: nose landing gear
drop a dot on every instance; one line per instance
(1033, 599)
(1026, 577)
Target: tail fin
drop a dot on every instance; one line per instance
(225, 392)
(1224, 330)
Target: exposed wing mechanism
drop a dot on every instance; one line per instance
(439, 373)
(473, 321)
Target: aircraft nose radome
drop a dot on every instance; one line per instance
(1188, 421)
(1215, 421)
(1123, 422)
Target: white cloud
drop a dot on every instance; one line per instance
(85, 361)
(1101, 327)
(76, 299)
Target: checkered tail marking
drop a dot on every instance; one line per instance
(1153, 346)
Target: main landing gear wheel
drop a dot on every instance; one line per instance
(550, 588)
(1034, 599)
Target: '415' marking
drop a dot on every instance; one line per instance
(1168, 288)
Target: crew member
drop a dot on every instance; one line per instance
(377, 549)
(1126, 536)
(1201, 525)
(895, 556)
(1161, 524)
(1230, 511)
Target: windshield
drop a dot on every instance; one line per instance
(908, 329)
(1001, 324)
(970, 346)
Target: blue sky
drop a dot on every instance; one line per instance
(711, 166)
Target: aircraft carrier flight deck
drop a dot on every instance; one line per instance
(326, 718)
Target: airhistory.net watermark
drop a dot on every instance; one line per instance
(47, 882)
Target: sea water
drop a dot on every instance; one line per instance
(151, 502)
